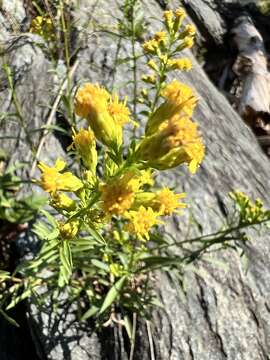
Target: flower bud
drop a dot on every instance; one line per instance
(85, 143)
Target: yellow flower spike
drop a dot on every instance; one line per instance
(176, 142)
(69, 229)
(150, 46)
(91, 103)
(141, 222)
(180, 15)
(183, 64)
(179, 99)
(85, 143)
(118, 110)
(168, 19)
(153, 65)
(63, 202)
(52, 180)
(146, 177)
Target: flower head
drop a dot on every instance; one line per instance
(179, 99)
(62, 201)
(151, 46)
(177, 141)
(167, 202)
(118, 195)
(141, 221)
(92, 103)
(160, 37)
(118, 110)
(52, 180)
(85, 143)
(69, 229)
(183, 64)
(90, 99)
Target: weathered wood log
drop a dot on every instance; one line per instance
(251, 67)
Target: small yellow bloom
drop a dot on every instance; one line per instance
(91, 99)
(141, 221)
(85, 143)
(92, 103)
(150, 46)
(179, 99)
(168, 18)
(153, 65)
(69, 229)
(62, 201)
(119, 111)
(190, 30)
(150, 79)
(166, 201)
(180, 13)
(183, 64)
(118, 195)
(176, 142)
(52, 180)
(160, 37)
(43, 26)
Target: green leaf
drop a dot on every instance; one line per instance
(112, 294)
(19, 298)
(128, 326)
(96, 235)
(101, 265)
(9, 319)
(66, 263)
(89, 313)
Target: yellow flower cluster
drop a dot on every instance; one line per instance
(85, 143)
(250, 212)
(104, 113)
(141, 221)
(123, 188)
(175, 142)
(53, 180)
(43, 26)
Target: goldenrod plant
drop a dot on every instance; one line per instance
(104, 236)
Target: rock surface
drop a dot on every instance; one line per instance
(225, 314)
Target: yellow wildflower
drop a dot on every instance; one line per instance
(146, 177)
(69, 229)
(190, 30)
(43, 26)
(62, 201)
(85, 143)
(160, 37)
(119, 111)
(91, 99)
(150, 46)
(151, 79)
(183, 64)
(92, 103)
(141, 221)
(168, 18)
(166, 201)
(180, 13)
(52, 180)
(153, 65)
(187, 42)
(118, 195)
(179, 99)
(176, 142)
